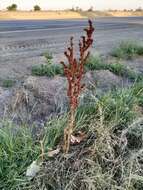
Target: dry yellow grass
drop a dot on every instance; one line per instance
(95, 14)
(125, 13)
(25, 15)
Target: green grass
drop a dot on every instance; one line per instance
(19, 148)
(54, 131)
(47, 70)
(17, 151)
(8, 83)
(97, 63)
(93, 63)
(127, 50)
(107, 119)
(111, 158)
(117, 105)
(48, 57)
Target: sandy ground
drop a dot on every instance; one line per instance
(125, 13)
(39, 15)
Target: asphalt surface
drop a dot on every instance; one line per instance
(22, 43)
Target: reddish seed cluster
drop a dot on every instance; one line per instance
(75, 69)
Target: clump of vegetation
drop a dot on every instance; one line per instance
(139, 9)
(12, 7)
(110, 156)
(118, 106)
(37, 8)
(111, 151)
(49, 69)
(17, 150)
(97, 63)
(48, 57)
(127, 50)
(19, 147)
(7, 83)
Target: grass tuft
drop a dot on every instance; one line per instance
(48, 57)
(127, 50)
(97, 63)
(17, 151)
(19, 147)
(47, 70)
(8, 83)
(118, 106)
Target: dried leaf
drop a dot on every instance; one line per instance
(53, 153)
(79, 138)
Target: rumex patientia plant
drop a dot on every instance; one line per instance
(74, 72)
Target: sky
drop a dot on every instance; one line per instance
(65, 4)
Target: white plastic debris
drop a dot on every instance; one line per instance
(32, 170)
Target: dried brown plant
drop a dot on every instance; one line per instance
(74, 72)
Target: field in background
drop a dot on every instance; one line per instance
(22, 15)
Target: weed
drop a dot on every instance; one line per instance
(7, 83)
(117, 105)
(124, 71)
(127, 50)
(17, 151)
(48, 57)
(97, 63)
(74, 73)
(49, 70)
(54, 131)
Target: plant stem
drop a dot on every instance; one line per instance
(69, 130)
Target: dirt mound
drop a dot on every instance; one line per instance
(41, 97)
(105, 80)
(136, 64)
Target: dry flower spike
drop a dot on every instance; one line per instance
(74, 72)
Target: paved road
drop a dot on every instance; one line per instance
(23, 42)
